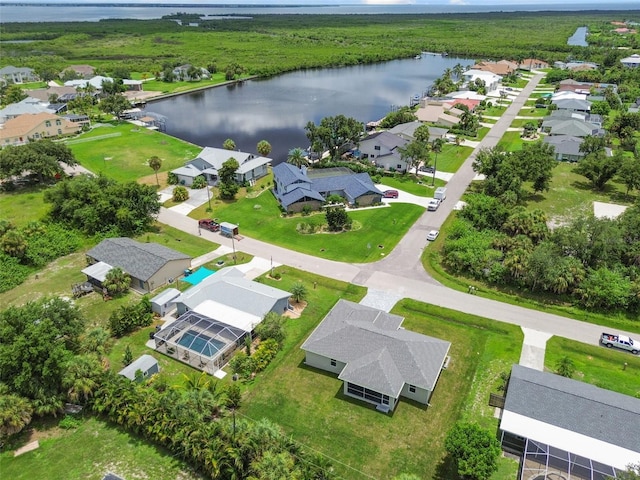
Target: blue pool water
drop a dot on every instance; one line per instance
(200, 343)
(199, 275)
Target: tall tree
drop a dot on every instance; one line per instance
(297, 156)
(422, 133)
(436, 148)
(155, 163)
(43, 158)
(229, 144)
(263, 148)
(227, 173)
(81, 377)
(414, 153)
(335, 133)
(599, 168)
(15, 414)
(474, 449)
(629, 173)
(115, 104)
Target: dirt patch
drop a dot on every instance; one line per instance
(296, 310)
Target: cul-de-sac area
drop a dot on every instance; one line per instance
(451, 291)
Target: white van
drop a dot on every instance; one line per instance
(440, 194)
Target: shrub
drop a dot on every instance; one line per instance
(272, 328)
(199, 182)
(306, 210)
(172, 178)
(180, 194)
(70, 422)
(242, 364)
(130, 317)
(263, 355)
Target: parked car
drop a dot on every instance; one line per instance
(427, 169)
(390, 194)
(620, 341)
(209, 224)
(433, 204)
(432, 235)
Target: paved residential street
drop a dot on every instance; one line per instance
(401, 274)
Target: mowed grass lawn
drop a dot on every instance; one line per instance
(310, 405)
(597, 365)
(375, 231)
(122, 151)
(23, 205)
(406, 184)
(571, 194)
(89, 452)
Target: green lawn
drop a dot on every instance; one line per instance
(184, 242)
(122, 151)
(409, 185)
(511, 141)
(177, 87)
(571, 193)
(452, 157)
(375, 231)
(23, 205)
(88, 453)
(494, 111)
(310, 404)
(529, 110)
(597, 365)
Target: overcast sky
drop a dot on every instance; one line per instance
(341, 2)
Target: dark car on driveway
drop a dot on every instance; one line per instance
(390, 194)
(209, 224)
(427, 169)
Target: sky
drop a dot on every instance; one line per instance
(337, 2)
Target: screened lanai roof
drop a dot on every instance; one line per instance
(200, 334)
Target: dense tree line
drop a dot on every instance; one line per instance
(42, 159)
(99, 205)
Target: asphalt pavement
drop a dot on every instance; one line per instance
(401, 275)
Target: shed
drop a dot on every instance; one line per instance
(146, 364)
(228, 229)
(164, 301)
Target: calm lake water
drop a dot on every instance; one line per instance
(277, 109)
(579, 38)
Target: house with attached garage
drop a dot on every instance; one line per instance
(149, 265)
(29, 127)
(377, 359)
(210, 160)
(382, 149)
(407, 131)
(567, 429)
(297, 188)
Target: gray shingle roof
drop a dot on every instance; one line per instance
(144, 363)
(353, 185)
(576, 406)
(379, 354)
(297, 195)
(140, 260)
(288, 174)
(565, 144)
(229, 287)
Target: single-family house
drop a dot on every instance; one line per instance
(491, 80)
(145, 364)
(502, 67)
(11, 74)
(215, 316)
(382, 148)
(182, 72)
(95, 82)
(593, 118)
(210, 160)
(29, 105)
(573, 104)
(44, 94)
(149, 265)
(407, 130)
(566, 147)
(82, 71)
(572, 126)
(28, 127)
(439, 112)
(532, 64)
(632, 61)
(377, 359)
(296, 188)
(564, 428)
(634, 107)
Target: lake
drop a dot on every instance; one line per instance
(277, 109)
(579, 37)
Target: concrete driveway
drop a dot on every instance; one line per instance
(197, 197)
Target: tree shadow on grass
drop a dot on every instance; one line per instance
(446, 469)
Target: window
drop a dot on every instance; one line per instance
(398, 167)
(412, 388)
(59, 131)
(58, 122)
(376, 147)
(333, 362)
(47, 123)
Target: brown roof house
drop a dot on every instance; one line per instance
(27, 127)
(82, 71)
(502, 67)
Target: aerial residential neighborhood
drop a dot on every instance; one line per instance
(446, 288)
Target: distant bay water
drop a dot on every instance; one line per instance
(16, 12)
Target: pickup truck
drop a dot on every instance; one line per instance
(620, 341)
(209, 224)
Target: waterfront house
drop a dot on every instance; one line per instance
(383, 149)
(377, 359)
(491, 80)
(297, 188)
(210, 160)
(407, 130)
(182, 72)
(29, 127)
(632, 61)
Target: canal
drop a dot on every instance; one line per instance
(278, 108)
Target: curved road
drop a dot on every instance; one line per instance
(401, 272)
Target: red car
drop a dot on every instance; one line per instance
(209, 224)
(390, 194)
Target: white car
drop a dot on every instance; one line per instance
(432, 235)
(433, 204)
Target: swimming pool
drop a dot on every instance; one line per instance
(201, 344)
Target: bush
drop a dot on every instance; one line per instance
(130, 317)
(199, 182)
(180, 194)
(70, 422)
(172, 178)
(242, 365)
(272, 328)
(263, 355)
(12, 272)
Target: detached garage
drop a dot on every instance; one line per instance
(164, 302)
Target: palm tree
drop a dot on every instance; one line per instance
(298, 292)
(458, 70)
(14, 244)
(155, 163)
(297, 157)
(15, 414)
(229, 144)
(81, 377)
(422, 133)
(436, 147)
(95, 340)
(117, 281)
(263, 148)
